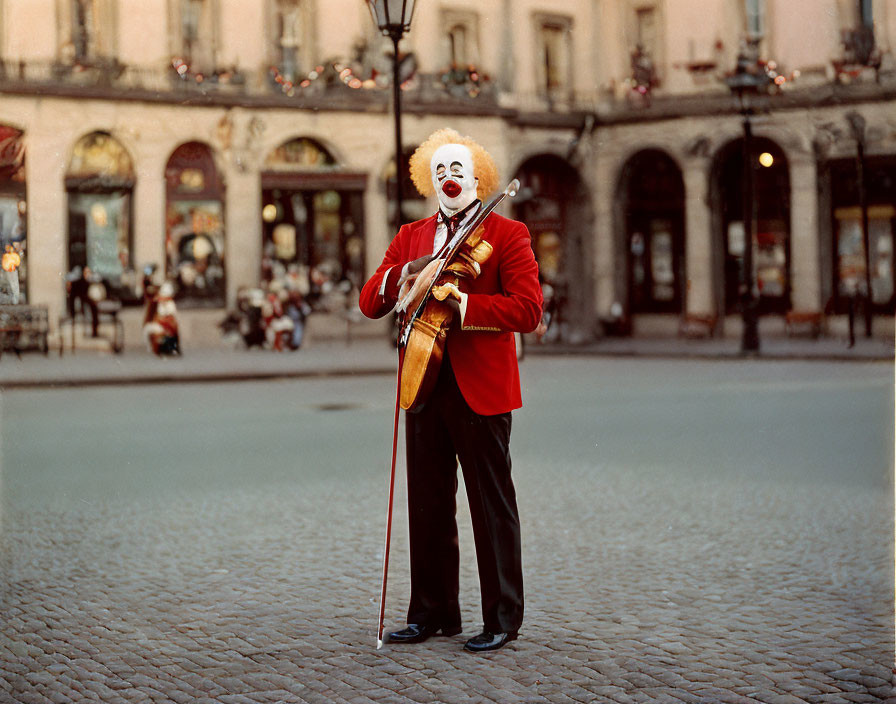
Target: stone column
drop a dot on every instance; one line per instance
(805, 269)
(242, 222)
(149, 210)
(604, 247)
(699, 299)
(47, 219)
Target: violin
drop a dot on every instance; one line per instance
(427, 314)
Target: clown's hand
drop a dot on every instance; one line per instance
(453, 297)
(447, 292)
(415, 267)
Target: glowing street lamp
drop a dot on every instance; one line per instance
(747, 82)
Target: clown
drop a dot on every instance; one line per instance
(160, 327)
(467, 417)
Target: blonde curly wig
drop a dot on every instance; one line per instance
(484, 167)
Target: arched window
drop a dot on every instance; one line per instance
(652, 193)
(312, 220)
(771, 224)
(100, 183)
(13, 232)
(194, 226)
(554, 203)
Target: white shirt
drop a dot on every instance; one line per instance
(438, 242)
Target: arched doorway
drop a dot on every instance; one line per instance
(194, 226)
(651, 199)
(312, 220)
(771, 217)
(13, 214)
(555, 205)
(100, 184)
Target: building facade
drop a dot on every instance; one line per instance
(229, 143)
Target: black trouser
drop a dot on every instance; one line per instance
(443, 431)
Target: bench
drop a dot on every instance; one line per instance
(23, 327)
(697, 325)
(811, 321)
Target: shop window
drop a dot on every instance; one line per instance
(552, 203)
(848, 265)
(100, 183)
(194, 226)
(312, 222)
(13, 218)
(851, 253)
(654, 212)
(771, 232)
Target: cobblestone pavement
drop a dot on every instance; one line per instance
(692, 533)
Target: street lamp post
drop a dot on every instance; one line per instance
(748, 81)
(393, 18)
(857, 126)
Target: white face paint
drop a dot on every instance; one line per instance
(452, 176)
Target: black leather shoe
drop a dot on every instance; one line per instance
(488, 641)
(415, 633)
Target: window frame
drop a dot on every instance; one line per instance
(565, 24)
(469, 21)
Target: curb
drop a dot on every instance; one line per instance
(144, 379)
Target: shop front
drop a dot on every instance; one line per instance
(99, 183)
(13, 217)
(194, 227)
(653, 205)
(849, 260)
(312, 223)
(771, 219)
(554, 204)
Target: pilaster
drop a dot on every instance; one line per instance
(698, 238)
(805, 268)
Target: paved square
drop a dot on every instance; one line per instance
(692, 532)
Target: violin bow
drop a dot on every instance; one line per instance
(449, 250)
(382, 618)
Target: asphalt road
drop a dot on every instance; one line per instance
(692, 531)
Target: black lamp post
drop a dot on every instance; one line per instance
(748, 81)
(393, 18)
(857, 127)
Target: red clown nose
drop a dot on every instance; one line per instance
(451, 189)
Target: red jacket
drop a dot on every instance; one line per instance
(505, 298)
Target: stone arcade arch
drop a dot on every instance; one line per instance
(13, 215)
(650, 234)
(99, 183)
(194, 226)
(771, 214)
(312, 220)
(555, 205)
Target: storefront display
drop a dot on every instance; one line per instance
(13, 221)
(312, 218)
(770, 245)
(194, 227)
(654, 224)
(100, 182)
(851, 252)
